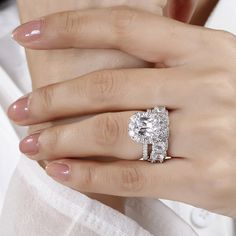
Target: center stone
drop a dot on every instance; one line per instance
(146, 126)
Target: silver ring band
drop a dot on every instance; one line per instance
(151, 128)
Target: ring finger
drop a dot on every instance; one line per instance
(102, 135)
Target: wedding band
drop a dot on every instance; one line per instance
(151, 128)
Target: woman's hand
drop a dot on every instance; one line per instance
(197, 84)
(62, 65)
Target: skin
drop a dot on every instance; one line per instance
(78, 62)
(206, 157)
(75, 62)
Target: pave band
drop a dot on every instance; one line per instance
(151, 128)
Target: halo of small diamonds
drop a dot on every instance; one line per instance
(151, 128)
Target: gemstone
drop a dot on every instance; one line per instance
(144, 126)
(159, 147)
(157, 157)
(145, 152)
(159, 109)
(151, 127)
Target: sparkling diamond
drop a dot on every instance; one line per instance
(159, 147)
(145, 152)
(157, 157)
(161, 158)
(131, 133)
(159, 109)
(144, 126)
(151, 127)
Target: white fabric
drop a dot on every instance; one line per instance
(35, 205)
(224, 18)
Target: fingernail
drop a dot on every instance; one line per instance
(30, 145)
(59, 171)
(19, 110)
(28, 32)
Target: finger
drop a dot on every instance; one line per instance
(181, 10)
(142, 34)
(125, 178)
(154, 6)
(103, 135)
(110, 90)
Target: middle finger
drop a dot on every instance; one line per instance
(110, 90)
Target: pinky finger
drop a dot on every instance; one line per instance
(124, 178)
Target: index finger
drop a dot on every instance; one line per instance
(142, 34)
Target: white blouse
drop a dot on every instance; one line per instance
(35, 205)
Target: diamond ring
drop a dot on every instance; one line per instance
(151, 128)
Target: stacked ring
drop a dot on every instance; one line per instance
(151, 128)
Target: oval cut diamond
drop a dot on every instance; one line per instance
(151, 127)
(144, 127)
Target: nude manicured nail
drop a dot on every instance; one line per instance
(59, 171)
(30, 145)
(19, 110)
(28, 32)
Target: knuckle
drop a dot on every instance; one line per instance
(70, 20)
(87, 177)
(132, 179)
(222, 42)
(221, 132)
(46, 97)
(103, 86)
(226, 38)
(107, 130)
(71, 24)
(50, 140)
(220, 86)
(220, 177)
(123, 20)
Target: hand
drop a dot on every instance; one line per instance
(196, 85)
(62, 65)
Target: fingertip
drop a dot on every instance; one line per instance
(19, 110)
(28, 32)
(30, 144)
(58, 170)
